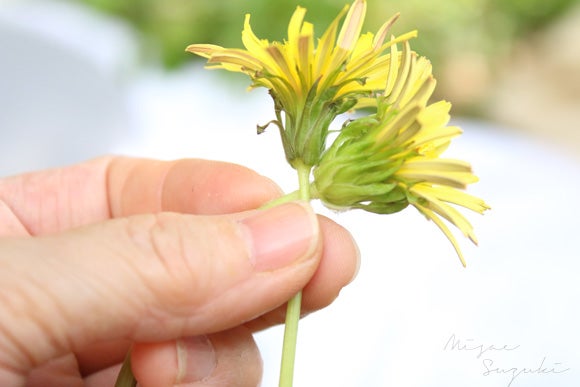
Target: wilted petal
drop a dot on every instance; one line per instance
(352, 25)
(432, 216)
(204, 50)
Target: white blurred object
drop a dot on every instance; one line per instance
(62, 71)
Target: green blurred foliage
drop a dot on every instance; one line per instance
(169, 26)
(486, 26)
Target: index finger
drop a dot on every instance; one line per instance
(109, 187)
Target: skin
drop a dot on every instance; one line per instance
(171, 259)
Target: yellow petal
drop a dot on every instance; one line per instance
(420, 85)
(255, 46)
(295, 26)
(452, 195)
(395, 62)
(239, 58)
(393, 126)
(432, 216)
(305, 54)
(399, 39)
(294, 33)
(428, 142)
(325, 45)
(352, 25)
(348, 34)
(454, 173)
(279, 61)
(439, 165)
(407, 81)
(384, 31)
(402, 75)
(435, 115)
(203, 50)
(446, 211)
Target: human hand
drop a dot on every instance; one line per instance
(170, 255)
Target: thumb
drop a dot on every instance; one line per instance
(149, 278)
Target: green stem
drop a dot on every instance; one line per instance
(126, 378)
(296, 195)
(292, 196)
(294, 305)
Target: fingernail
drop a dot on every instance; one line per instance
(196, 359)
(281, 235)
(358, 259)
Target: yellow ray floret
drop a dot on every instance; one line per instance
(314, 80)
(338, 58)
(391, 160)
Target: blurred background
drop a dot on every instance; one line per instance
(502, 60)
(82, 78)
(486, 53)
(515, 63)
(473, 44)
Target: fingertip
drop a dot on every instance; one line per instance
(154, 364)
(214, 187)
(193, 186)
(338, 267)
(282, 235)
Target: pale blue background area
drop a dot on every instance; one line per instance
(70, 90)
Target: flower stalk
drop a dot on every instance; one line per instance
(294, 305)
(290, 340)
(126, 377)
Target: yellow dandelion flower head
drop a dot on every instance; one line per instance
(312, 82)
(390, 160)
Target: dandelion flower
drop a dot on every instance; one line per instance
(312, 81)
(389, 160)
